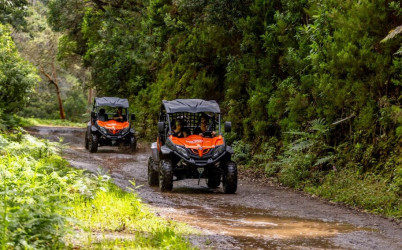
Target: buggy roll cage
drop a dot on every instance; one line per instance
(190, 111)
(111, 102)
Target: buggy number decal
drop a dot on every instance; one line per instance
(194, 141)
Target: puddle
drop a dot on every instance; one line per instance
(257, 229)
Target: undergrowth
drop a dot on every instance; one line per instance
(346, 173)
(120, 218)
(371, 192)
(26, 122)
(45, 204)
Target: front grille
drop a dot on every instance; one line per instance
(204, 151)
(114, 131)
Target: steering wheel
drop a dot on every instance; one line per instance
(207, 134)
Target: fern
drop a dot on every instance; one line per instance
(301, 145)
(297, 133)
(325, 159)
(319, 125)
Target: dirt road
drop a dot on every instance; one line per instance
(258, 216)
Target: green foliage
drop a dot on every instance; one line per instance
(306, 156)
(28, 122)
(17, 76)
(242, 152)
(75, 105)
(367, 191)
(39, 44)
(42, 104)
(14, 12)
(42, 199)
(113, 210)
(265, 157)
(32, 193)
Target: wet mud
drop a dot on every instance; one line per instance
(258, 216)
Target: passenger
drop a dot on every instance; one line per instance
(202, 128)
(119, 115)
(178, 130)
(102, 116)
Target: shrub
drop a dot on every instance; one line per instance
(35, 188)
(242, 152)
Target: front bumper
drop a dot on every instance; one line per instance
(108, 139)
(192, 162)
(189, 168)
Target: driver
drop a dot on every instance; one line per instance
(119, 115)
(178, 130)
(202, 129)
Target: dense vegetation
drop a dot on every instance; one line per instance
(45, 204)
(17, 76)
(312, 87)
(38, 44)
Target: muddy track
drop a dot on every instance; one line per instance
(258, 216)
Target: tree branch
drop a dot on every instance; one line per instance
(46, 74)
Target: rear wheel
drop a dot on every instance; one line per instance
(214, 180)
(93, 143)
(153, 176)
(230, 178)
(86, 140)
(165, 175)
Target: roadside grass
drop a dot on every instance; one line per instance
(345, 174)
(369, 192)
(46, 204)
(120, 218)
(26, 122)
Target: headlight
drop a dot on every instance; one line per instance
(182, 151)
(125, 130)
(103, 130)
(218, 151)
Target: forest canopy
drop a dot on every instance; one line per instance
(275, 66)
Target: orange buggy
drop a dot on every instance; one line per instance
(194, 156)
(106, 130)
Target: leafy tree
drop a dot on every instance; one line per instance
(17, 76)
(13, 12)
(41, 46)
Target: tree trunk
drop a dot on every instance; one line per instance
(91, 94)
(53, 80)
(62, 114)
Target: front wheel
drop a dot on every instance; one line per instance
(93, 143)
(152, 173)
(230, 178)
(165, 175)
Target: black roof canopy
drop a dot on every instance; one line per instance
(111, 102)
(191, 106)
